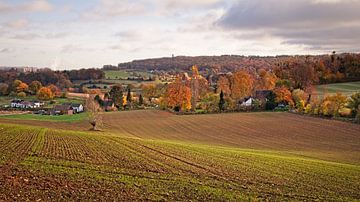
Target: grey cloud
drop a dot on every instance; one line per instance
(129, 35)
(308, 22)
(27, 36)
(6, 50)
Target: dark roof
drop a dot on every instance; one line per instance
(108, 103)
(76, 105)
(262, 93)
(62, 107)
(16, 101)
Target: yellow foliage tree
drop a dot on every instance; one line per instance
(332, 104)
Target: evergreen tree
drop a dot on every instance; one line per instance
(270, 103)
(128, 96)
(141, 100)
(222, 101)
(129, 99)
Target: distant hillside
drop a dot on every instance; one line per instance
(223, 63)
(220, 63)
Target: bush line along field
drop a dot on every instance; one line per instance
(46, 164)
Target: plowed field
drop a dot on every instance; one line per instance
(152, 155)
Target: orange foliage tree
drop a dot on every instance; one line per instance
(242, 85)
(224, 85)
(45, 93)
(22, 87)
(267, 80)
(54, 89)
(283, 95)
(178, 95)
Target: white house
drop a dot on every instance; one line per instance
(25, 104)
(78, 108)
(248, 102)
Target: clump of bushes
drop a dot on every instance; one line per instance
(337, 105)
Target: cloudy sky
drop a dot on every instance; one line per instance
(66, 34)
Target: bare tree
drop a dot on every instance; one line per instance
(94, 113)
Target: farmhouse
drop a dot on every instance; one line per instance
(22, 104)
(247, 102)
(78, 108)
(62, 109)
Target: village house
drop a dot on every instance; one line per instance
(64, 109)
(78, 108)
(22, 104)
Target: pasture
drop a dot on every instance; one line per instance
(344, 88)
(155, 155)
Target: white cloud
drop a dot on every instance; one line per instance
(38, 6)
(29, 6)
(18, 24)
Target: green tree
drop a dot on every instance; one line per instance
(354, 103)
(270, 101)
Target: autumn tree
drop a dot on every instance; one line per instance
(224, 85)
(332, 104)
(267, 80)
(242, 85)
(45, 93)
(199, 86)
(54, 89)
(283, 96)
(178, 95)
(93, 110)
(34, 87)
(299, 97)
(22, 87)
(149, 91)
(4, 89)
(15, 84)
(303, 74)
(354, 103)
(116, 94)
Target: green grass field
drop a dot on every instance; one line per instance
(154, 155)
(5, 100)
(123, 74)
(37, 117)
(344, 88)
(116, 74)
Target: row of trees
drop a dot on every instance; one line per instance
(21, 89)
(62, 79)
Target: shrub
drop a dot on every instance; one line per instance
(21, 94)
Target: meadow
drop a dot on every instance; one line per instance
(344, 88)
(155, 155)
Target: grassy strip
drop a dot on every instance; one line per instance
(36, 117)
